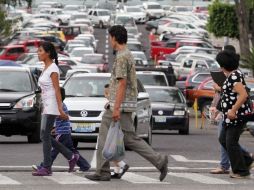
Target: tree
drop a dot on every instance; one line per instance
(5, 25)
(248, 62)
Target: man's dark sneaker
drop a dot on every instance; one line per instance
(72, 162)
(42, 172)
(164, 168)
(95, 177)
(115, 175)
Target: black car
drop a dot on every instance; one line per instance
(20, 103)
(169, 109)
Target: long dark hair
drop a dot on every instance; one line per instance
(50, 48)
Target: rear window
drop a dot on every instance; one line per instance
(164, 95)
(14, 81)
(152, 80)
(200, 77)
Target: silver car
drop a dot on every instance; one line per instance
(85, 101)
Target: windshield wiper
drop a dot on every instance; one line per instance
(7, 90)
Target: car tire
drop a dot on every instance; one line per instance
(75, 143)
(101, 26)
(35, 136)
(149, 139)
(184, 131)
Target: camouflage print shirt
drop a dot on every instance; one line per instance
(124, 68)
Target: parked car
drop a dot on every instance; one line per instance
(96, 60)
(152, 78)
(170, 111)
(99, 17)
(12, 52)
(136, 12)
(85, 100)
(153, 10)
(20, 107)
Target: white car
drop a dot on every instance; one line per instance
(153, 10)
(85, 101)
(176, 27)
(133, 30)
(137, 13)
(99, 17)
(140, 55)
(60, 16)
(78, 52)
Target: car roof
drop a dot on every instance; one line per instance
(12, 68)
(161, 87)
(150, 72)
(92, 75)
(82, 48)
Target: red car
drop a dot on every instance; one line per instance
(160, 48)
(12, 52)
(31, 44)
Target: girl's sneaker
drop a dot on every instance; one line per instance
(72, 162)
(36, 167)
(42, 172)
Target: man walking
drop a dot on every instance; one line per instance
(123, 101)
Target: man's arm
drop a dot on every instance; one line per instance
(120, 95)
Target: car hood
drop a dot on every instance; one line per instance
(12, 96)
(87, 103)
(166, 106)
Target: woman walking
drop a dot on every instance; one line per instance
(52, 104)
(234, 106)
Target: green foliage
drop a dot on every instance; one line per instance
(223, 20)
(5, 26)
(248, 62)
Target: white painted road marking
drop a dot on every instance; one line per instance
(7, 181)
(136, 178)
(200, 178)
(180, 158)
(65, 178)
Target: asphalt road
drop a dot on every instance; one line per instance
(190, 158)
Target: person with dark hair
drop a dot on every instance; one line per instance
(122, 103)
(62, 142)
(224, 159)
(52, 104)
(233, 106)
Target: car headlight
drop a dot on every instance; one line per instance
(179, 112)
(26, 103)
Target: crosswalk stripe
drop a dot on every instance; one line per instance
(136, 178)
(4, 180)
(68, 178)
(200, 178)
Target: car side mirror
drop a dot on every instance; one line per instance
(143, 95)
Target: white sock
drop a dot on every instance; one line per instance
(121, 164)
(117, 170)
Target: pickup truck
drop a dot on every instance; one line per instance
(159, 48)
(192, 63)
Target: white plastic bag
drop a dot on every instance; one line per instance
(114, 146)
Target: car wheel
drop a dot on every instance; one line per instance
(35, 137)
(75, 143)
(150, 137)
(184, 131)
(101, 26)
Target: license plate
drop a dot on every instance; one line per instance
(84, 127)
(160, 119)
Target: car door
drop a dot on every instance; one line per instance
(90, 15)
(143, 113)
(14, 53)
(95, 17)
(187, 66)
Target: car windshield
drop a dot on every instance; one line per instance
(103, 13)
(164, 95)
(86, 86)
(124, 20)
(15, 81)
(154, 7)
(2, 50)
(81, 52)
(139, 55)
(133, 10)
(132, 30)
(74, 8)
(82, 16)
(92, 59)
(212, 64)
(134, 47)
(153, 80)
